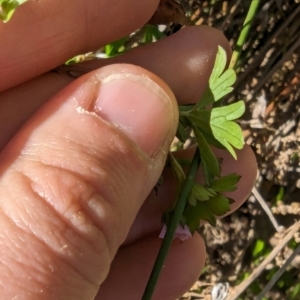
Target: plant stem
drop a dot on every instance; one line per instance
(172, 225)
(188, 183)
(244, 33)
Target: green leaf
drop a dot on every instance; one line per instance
(206, 99)
(201, 193)
(201, 119)
(219, 205)
(231, 111)
(230, 200)
(207, 156)
(227, 132)
(185, 108)
(220, 82)
(219, 65)
(206, 210)
(223, 85)
(226, 183)
(152, 34)
(181, 133)
(177, 170)
(194, 214)
(208, 176)
(258, 248)
(8, 7)
(116, 47)
(192, 199)
(217, 125)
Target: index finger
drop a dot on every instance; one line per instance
(44, 34)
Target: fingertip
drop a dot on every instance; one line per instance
(55, 31)
(182, 268)
(138, 103)
(198, 60)
(184, 60)
(77, 165)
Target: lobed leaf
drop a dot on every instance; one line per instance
(220, 82)
(201, 193)
(201, 120)
(226, 183)
(8, 7)
(219, 65)
(194, 214)
(230, 112)
(223, 85)
(227, 132)
(217, 205)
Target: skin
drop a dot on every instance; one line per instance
(77, 212)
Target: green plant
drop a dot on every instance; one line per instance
(212, 124)
(8, 7)
(208, 121)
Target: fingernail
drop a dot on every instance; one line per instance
(139, 107)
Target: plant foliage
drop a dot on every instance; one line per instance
(212, 126)
(8, 7)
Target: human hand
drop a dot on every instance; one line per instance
(73, 185)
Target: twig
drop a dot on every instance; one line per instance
(266, 208)
(278, 274)
(239, 289)
(194, 295)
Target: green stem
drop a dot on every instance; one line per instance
(188, 183)
(244, 33)
(172, 225)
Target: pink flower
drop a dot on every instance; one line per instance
(182, 232)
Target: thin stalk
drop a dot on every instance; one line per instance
(278, 274)
(239, 289)
(172, 225)
(244, 33)
(188, 183)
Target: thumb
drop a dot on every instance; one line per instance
(74, 178)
